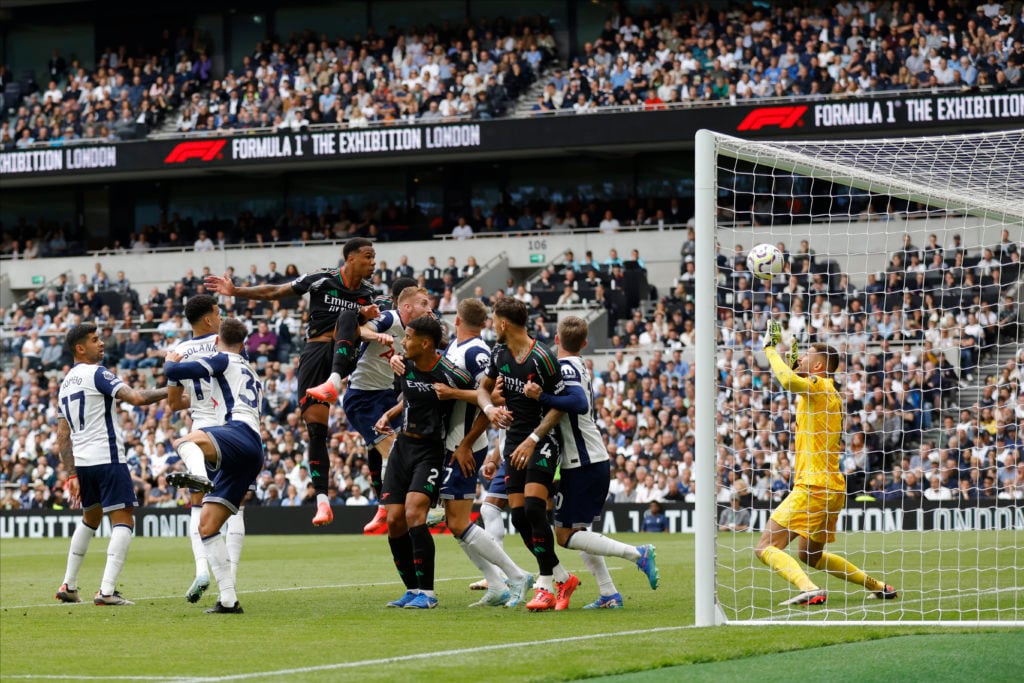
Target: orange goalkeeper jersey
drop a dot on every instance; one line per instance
(819, 427)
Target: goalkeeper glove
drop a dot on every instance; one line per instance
(793, 355)
(772, 334)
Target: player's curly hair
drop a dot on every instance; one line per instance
(354, 245)
(198, 306)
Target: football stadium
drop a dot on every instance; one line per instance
(328, 326)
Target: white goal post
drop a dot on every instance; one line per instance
(856, 219)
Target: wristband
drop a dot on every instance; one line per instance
(534, 438)
(72, 476)
(484, 409)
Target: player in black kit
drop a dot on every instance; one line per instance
(531, 459)
(412, 479)
(340, 299)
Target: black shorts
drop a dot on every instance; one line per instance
(414, 465)
(541, 469)
(314, 367)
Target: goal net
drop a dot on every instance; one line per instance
(902, 255)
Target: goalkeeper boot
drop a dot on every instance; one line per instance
(564, 591)
(65, 594)
(198, 587)
(324, 514)
(606, 602)
(814, 597)
(887, 593)
(648, 565)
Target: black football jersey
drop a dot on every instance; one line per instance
(423, 413)
(328, 295)
(540, 367)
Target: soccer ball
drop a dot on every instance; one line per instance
(764, 261)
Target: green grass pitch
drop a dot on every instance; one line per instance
(315, 612)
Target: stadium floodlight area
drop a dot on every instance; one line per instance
(849, 215)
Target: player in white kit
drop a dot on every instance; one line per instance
(203, 315)
(232, 449)
(585, 469)
(91, 447)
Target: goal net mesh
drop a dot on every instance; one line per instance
(903, 255)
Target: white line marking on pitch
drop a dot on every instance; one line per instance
(427, 655)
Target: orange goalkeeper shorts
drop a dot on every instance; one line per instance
(811, 513)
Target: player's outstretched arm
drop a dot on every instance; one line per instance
(224, 285)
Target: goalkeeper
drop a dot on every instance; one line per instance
(812, 508)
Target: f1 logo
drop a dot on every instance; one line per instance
(204, 150)
(783, 117)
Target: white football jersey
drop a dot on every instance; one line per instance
(203, 411)
(581, 439)
(86, 401)
(473, 356)
(373, 372)
(236, 389)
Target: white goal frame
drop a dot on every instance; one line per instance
(1004, 203)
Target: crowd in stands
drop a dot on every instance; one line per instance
(437, 73)
(909, 436)
(124, 97)
(659, 58)
(653, 58)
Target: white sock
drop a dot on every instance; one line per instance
(235, 531)
(217, 552)
(493, 522)
(595, 564)
(192, 455)
(335, 379)
(544, 582)
(322, 498)
(596, 544)
(560, 573)
(79, 546)
(117, 551)
(479, 543)
(198, 549)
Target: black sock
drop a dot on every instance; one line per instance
(542, 539)
(345, 343)
(522, 525)
(319, 461)
(423, 556)
(375, 461)
(401, 550)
